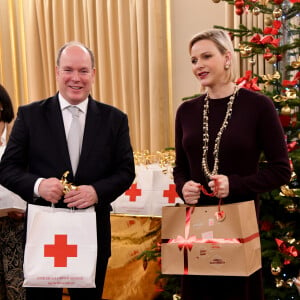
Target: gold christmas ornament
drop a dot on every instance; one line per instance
(270, 77)
(286, 110)
(272, 60)
(277, 13)
(296, 64)
(286, 191)
(252, 61)
(268, 21)
(275, 270)
(245, 50)
(279, 98)
(263, 2)
(279, 283)
(291, 241)
(289, 282)
(291, 93)
(256, 11)
(276, 75)
(292, 207)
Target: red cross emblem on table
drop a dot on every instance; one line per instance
(60, 250)
(171, 193)
(133, 192)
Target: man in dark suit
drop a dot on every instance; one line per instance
(37, 156)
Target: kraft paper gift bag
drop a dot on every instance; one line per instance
(61, 247)
(194, 242)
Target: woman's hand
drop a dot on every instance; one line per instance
(219, 185)
(191, 192)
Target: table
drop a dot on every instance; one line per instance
(126, 277)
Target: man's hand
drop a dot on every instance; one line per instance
(85, 196)
(51, 189)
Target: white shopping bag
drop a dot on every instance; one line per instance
(152, 189)
(10, 202)
(61, 247)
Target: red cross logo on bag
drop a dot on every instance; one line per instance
(171, 193)
(133, 192)
(60, 250)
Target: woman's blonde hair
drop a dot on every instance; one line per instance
(223, 42)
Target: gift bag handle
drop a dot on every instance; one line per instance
(220, 214)
(72, 209)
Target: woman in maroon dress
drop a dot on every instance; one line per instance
(220, 137)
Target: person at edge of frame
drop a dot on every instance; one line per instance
(11, 223)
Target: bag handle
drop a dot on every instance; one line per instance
(220, 214)
(72, 209)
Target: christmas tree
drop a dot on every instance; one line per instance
(270, 62)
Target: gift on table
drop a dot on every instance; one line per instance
(152, 189)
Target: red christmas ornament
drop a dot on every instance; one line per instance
(277, 1)
(239, 3)
(266, 226)
(239, 11)
(277, 24)
(268, 55)
(285, 120)
(279, 57)
(267, 30)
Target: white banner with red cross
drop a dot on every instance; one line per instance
(152, 189)
(58, 250)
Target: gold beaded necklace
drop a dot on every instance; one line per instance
(205, 166)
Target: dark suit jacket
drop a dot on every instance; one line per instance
(38, 148)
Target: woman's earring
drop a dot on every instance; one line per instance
(226, 67)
